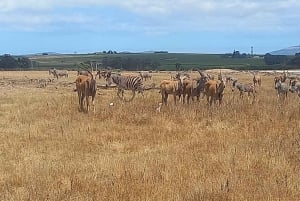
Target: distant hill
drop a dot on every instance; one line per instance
(287, 51)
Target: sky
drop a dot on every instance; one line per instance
(183, 26)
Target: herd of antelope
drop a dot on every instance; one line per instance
(182, 86)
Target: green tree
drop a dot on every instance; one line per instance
(8, 62)
(24, 62)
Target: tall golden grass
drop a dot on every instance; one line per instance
(128, 151)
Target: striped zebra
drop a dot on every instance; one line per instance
(249, 88)
(282, 89)
(133, 83)
(295, 87)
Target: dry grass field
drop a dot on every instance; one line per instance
(129, 151)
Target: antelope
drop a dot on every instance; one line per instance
(210, 89)
(51, 71)
(200, 85)
(187, 85)
(170, 87)
(220, 91)
(59, 73)
(85, 87)
(256, 80)
(83, 72)
(145, 75)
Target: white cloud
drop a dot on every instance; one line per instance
(159, 16)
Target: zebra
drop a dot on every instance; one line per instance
(294, 86)
(133, 83)
(249, 88)
(282, 88)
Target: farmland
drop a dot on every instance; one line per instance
(242, 150)
(164, 61)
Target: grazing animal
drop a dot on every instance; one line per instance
(249, 88)
(229, 79)
(284, 77)
(220, 91)
(186, 87)
(60, 73)
(281, 88)
(85, 87)
(198, 88)
(295, 87)
(83, 72)
(220, 77)
(133, 83)
(51, 71)
(170, 87)
(210, 91)
(145, 75)
(293, 81)
(256, 80)
(102, 74)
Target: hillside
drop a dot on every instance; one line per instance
(162, 61)
(290, 51)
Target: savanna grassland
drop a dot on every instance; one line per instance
(129, 151)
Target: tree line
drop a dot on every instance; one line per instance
(282, 59)
(130, 63)
(8, 62)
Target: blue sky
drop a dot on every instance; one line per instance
(195, 26)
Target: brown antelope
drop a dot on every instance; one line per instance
(210, 90)
(220, 91)
(256, 80)
(85, 87)
(170, 87)
(83, 72)
(187, 86)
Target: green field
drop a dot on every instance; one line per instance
(166, 61)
